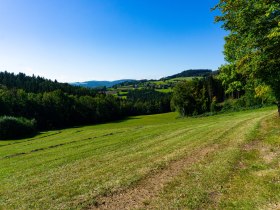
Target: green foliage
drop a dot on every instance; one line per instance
(198, 96)
(190, 73)
(264, 93)
(40, 85)
(233, 82)
(253, 43)
(14, 128)
(164, 85)
(233, 105)
(56, 105)
(190, 98)
(148, 101)
(245, 102)
(214, 105)
(57, 109)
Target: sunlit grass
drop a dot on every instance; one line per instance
(69, 168)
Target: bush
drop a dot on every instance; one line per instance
(15, 128)
(233, 105)
(190, 98)
(243, 103)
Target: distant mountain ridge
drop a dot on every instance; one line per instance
(190, 73)
(95, 83)
(109, 84)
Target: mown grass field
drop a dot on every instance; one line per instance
(227, 161)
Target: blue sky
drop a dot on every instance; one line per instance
(80, 40)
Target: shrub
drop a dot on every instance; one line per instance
(233, 105)
(190, 98)
(16, 128)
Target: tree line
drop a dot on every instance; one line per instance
(251, 76)
(190, 73)
(58, 109)
(56, 105)
(37, 84)
(252, 46)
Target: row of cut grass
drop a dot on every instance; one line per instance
(69, 168)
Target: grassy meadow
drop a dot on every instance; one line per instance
(123, 90)
(226, 161)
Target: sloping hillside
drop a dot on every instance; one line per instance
(130, 83)
(191, 73)
(156, 161)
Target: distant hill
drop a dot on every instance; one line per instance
(36, 84)
(94, 83)
(190, 73)
(131, 82)
(164, 84)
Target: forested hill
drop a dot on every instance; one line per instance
(125, 82)
(36, 84)
(191, 73)
(95, 84)
(29, 101)
(166, 82)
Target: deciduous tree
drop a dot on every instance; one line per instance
(253, 42)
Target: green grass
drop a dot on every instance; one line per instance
(244, 174)
(122, 93)
(159, 82)
(168, 90)
(182, 79)
(69, 169)
(123, 90)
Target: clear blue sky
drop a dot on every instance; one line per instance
(80, 40)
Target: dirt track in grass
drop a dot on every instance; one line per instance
(138, 197)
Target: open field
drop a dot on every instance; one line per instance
(163, 86)
(168, 90)
(178, 79)
(227, 161)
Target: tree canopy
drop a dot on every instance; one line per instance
(57, 105)
(253, 43)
